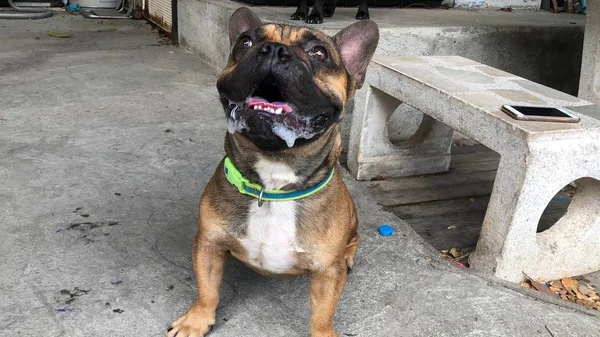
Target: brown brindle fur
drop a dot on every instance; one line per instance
(335, 84)
(323, 244)
(326, 224)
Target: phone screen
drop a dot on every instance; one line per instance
(540, 111)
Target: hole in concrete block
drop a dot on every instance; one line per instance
(557, 207)
(408, 127)
(570, 215)
(414, 128)
(403, 123)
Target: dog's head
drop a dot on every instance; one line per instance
(285, 85)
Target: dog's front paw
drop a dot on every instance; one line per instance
(194, 323)
(362, 15)
(298, 16)
(314, 18)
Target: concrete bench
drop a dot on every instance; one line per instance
(537, 158)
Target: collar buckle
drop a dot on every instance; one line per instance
(260, 197)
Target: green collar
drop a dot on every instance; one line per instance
(255, 190)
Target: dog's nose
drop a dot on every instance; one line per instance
(277, 50)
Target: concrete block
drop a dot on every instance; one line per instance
(509, 246)
(589, 84)
(373, 155)
(537, 158)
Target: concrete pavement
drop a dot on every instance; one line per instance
(106, 142)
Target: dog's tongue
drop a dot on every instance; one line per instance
(254, 101)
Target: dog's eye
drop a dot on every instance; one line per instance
(318, 53)
(245, 42)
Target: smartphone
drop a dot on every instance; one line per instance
(540, 113)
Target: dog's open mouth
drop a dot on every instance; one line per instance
(267, 97)
(265, 112)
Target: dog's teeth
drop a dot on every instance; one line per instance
(265, 108)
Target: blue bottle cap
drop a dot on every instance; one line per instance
(386, 230)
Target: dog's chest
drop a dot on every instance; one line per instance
(270, 238)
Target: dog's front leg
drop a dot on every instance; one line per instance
(316, 15)
(326, 287)
(301, 11)
(209, 262)
(363, 10)
(329, 8)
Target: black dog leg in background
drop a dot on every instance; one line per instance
(326, 8)
(316, 15)
(301, 11)
(363, 10)
(329, 8)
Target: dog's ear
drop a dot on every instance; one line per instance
(242, 20)
(357, 43)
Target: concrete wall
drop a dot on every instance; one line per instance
(547, 55)
(203, 28)
(589, 88)
(528, 4)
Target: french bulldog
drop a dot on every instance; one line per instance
(277, 201)
(326, 8)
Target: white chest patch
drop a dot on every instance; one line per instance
(271, 235)
(275, 175)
